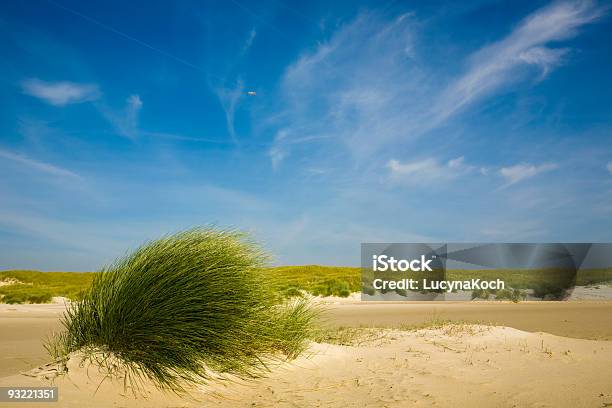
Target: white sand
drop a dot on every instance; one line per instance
(452, 366)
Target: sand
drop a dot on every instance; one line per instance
(22, 327)
(456, 365)
(583, 320)
(22, 332)
(452, 366)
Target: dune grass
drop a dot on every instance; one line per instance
(315, 279)
(181, 306)
(363, 335)
(41, 287)
(290, 281)
(546, 283)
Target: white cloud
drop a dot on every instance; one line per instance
(60, 93)
(543, 57)
(134, 102)
(516, 230)
(132, 111)
(277, 155)
(357, 89)
(528, 44)
(37, 165)
(249, 41)
(126, 121)
(229, 99)
(369, 87)
(426, 167)
(523, 171)
(427, 170)
(278, 151)
(456, 163)
(281, 147)
(609, 167)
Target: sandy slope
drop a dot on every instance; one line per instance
(23, 327)
(584, 320)
(452, 366)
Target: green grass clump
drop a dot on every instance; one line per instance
(183, 305)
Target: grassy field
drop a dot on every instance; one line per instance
(315, 279)
(40, 287)
(543, 282)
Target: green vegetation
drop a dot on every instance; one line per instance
(291, 281)
(356, 336)
(41, 287)
(514, 295)
(182, 305)
(348, 336)
(591, 277)
(548, 283)
(316, 280)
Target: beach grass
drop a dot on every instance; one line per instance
(291, 281)
(357, 336)
(41, 287)
(316, 280)
(545, 283)
(288, 281)
(183, 306)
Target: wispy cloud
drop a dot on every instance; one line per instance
(248, 42)
(283, 142)
(277, 155)
(517, 230)
(352, 89)
(132, 110)
(529, 44)
(63, 93)
(428, 170)
(370, 86)
(229, 99)
(125, 121)
(36, 165)
(609, 167)
(431, 170)
(60, 93)
(523, 171)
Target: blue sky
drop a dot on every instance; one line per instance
(371, 122)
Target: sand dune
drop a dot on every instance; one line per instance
(22, 327)
(453, 365)
(584, 320)
(449, 366)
